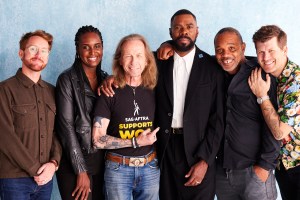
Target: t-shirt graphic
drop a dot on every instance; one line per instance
(136, 108)
(129, 115)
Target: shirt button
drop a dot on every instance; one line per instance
(42, 153)
(169, 114)
(42, 136)
(229, 111)
(166, 131)
(41, 119)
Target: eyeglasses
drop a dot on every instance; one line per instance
(33, 50)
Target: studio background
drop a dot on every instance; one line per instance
(117, 18)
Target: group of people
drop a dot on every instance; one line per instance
(180, 124)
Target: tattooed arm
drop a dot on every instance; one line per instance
(103, 141)
(278, 128)
(260, 88)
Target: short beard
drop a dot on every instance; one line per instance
(32, 67)
(183, 47)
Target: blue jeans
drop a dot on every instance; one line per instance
(123, 182)
(24, 189)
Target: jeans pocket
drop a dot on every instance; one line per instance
(112, 165)
(255, 177)
(153, 164)
(256, 188)
(271, 186)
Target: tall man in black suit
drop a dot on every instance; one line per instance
(189, 112)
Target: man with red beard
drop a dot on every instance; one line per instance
(189, 112)
(29, 150)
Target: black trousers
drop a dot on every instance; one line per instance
(67, 179)
(288, 182)
(174, 167)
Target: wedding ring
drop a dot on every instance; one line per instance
(197, 182)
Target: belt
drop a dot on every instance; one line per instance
(132, 161)
(177, 131)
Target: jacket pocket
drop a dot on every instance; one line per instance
(25, 116)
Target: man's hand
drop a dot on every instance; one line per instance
(106, 87)
(147, 137)
(196, 173)
(45, 173)
(261, 173)
(165, 51)
(82, 189)
(259, 86)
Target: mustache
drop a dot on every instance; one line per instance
(37, 58)
(185, 37)
(227, 58)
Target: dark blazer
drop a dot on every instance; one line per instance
(203, 110)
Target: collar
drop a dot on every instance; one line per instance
(27, 82)
(188, 58)
(288, 70)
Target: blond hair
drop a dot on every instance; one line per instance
(149, 75)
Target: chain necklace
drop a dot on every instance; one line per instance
(133, 90)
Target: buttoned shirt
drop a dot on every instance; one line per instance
(181, 73)
(27, 139)
(247, 139)
(288, 92)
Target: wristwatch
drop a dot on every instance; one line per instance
(260, 100)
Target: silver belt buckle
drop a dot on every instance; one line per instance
(136, 162)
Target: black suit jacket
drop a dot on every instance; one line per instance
(203, 110)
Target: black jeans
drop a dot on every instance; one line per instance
(67, 180)
(244, 185)
(288, 182)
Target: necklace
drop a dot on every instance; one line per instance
(133, 89)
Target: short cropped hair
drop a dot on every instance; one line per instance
(182, 12)
(267, 32)
(43, 34)
(229, 30)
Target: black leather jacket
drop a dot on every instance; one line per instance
(74, 101)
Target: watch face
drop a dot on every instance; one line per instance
(259, 100)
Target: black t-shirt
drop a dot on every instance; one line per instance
(129, 115)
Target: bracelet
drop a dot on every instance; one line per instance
(133, 142)
(136, 144)
(55, 164)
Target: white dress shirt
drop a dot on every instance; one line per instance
(181, 73)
